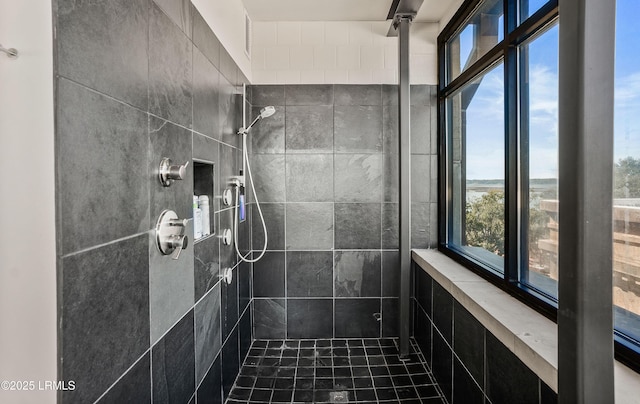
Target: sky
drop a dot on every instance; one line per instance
(485, 131)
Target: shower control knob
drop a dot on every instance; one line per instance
(170, 172)
(179, 243)
(227, 237)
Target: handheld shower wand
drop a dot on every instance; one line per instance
(240, 181)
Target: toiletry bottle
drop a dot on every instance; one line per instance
(197, 219)
(203, 203)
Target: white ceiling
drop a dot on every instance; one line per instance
(337, 10)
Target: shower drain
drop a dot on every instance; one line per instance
(339, 397)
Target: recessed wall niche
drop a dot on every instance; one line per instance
(203, 184)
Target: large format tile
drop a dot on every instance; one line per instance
(357, 318)
(268, 171)
(443, 312)
(309, 129)
(507, 378)
(420, 178)
(179, 11)
(228, 67)
(351, 94)
(358, 225)
(390, 317)
(468, 341)
(93, 35)
(358, 177)
(229, 304)
(133, 387)
(269, 318)
(104, 316)
(245, 334)
(309, 274)
(465, 389)
(173, 364)
(358, 129)
(357, 274)
(268, 275)
(310, 318)
(103, 142)
(206, 96)
(390, 273)
(210, 390)
(267, 95)
(208, 331)
(390, 130)
(390, 225)
(420, 130)
(206, 266)
(320, 94)
(245, 274)
(171, 285)
(204, 39)
(273, 214)
(230, 113)
(309, 226)
(268, 134)
(230, 362)
(170, 141)
(443, 365)
(421, 225)
(391, 178)
(309, 178)
(170, 70)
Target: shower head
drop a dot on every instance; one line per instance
(264, 113)
(267, 111)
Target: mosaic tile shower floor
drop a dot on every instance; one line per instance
(334, 371)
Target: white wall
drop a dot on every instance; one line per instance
(226, 19)
(27, 201)
(351, 52)
(446, 17)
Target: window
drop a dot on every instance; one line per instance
(626, 192)
(498, 110)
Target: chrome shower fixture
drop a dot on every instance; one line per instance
(264, 113)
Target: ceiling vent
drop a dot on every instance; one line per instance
(247, 34)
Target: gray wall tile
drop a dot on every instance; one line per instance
(391, 178)
(355, 318)
(309, 226)
(208, 336)
(358, 225)
(204, 38)
(309, 274)
(206, 267)
(102, 181)
(274, 218)
(420, 129)
(350, 94)
(269, 276)
(390, 317)
(390, 225)
(389, 94)
(358, 177)
(269, 177)
(170, 71)
(357, 273)
(420, 94)
(179, 11)
(317, 94)
(390, 131)
(310, 318)
(269, 318)
(309, 178)
(358, 129)
(173, 364)
(206, 96)
(309, 129)
(171, 290)
(135, 385)
(267, 95)
(93, 35)
(228, 67)
(420, 226)
(391, 273)
(268, 135)
(105, 315)
(230, 104)
(420, 178)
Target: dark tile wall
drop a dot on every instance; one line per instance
(468, 362)
(326, 174)
(139, 80)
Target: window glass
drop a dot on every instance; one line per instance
(475, 116)
(539, 138)
(529, 7)
(482, 32)
(626, 192)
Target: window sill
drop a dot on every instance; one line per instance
(528, 334)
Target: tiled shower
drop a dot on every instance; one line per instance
(141, 80)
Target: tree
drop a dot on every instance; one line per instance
(626, 180)
(485, 222)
